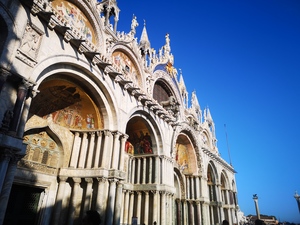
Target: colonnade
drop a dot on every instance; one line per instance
(101, 148)
(101, 194)
(150, 169)
(147, 207)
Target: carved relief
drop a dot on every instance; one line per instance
(30, 45)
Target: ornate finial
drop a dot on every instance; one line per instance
(134, 24)
(144, 23)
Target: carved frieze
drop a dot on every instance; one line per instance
(30, 45)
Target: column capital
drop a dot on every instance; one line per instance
(99, 133)
(101, 179)
(89, 180)
(107, 133)
(92, 133)
(124, 137)
(76, 180)
(63, 178)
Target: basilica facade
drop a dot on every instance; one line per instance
(96, 119)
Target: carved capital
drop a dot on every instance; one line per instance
(77, 180)
(89, 180)
(63, 178)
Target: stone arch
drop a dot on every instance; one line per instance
(171, 84)
(48, 137)
(98, 91)
(142, 134)
(192, 136)
(9, 31)
(126, 63)
(185, 155)
(212, 172)
(179, 184)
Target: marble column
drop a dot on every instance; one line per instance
(157, 170)
(125, 208)
(197, 188)
(122, 152)
(188, 193)
(139, 171)
(111, 202)
(133, 162)
(146, 210)
(59, 199)
(139, 206)
(5, 157)
(75, 202)
(83, 151)
(98, 149)
(191, 213)
(91, 149)
(150, 180)
(178, 211)
(101, 197)
(192, 188)
(88, 194)
(7, 184)
(199, 217)
(185, 212)
(3, 77)
(155, 206)
(144, 170)
(19, 104)
(163, 208)
(163, 169)
(106, 156)
(131, 204)
(75, 150)
(116, 150)
(118, 204)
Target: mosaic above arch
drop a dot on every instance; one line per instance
(67, 105)
(127, 67)
(73, 16)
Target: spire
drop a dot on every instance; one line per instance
(144, 41)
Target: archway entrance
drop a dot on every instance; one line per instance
(24, 205)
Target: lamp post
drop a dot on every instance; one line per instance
(297, 197)
(255, 198)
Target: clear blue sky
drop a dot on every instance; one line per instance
(242, 57)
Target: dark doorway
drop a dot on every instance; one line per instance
(23, 205)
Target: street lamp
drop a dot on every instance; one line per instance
(255, 198)
(297, 197)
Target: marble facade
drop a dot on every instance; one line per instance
(94, 119)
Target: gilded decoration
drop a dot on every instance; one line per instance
(182, 157)
(73, 16)
(67, 105)
(124, 64)
(41, 152)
